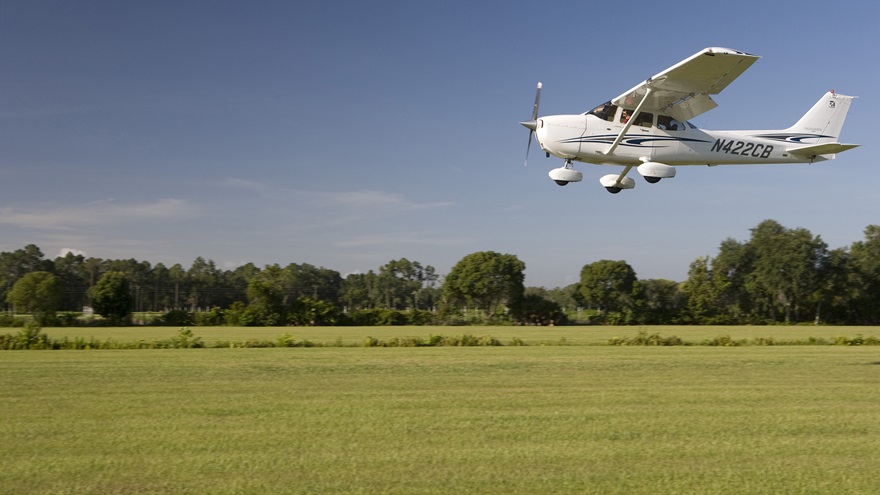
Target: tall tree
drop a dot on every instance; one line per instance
(360, 291)
(864, 270)
(111, 297)
(73, 278)
(305, 280)
(608, 285)
(837, 296)
(203, 276)
(402, 284)
(158, 280)
(178, 277)
(704, 291)
(658, 301)
(788, 264)
(38, 293)
(730, 273)
(267, 298)
(487, 280)
(18, 263)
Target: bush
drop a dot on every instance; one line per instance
(7, 320)
(378, 316)
(68, 319)
(257, 317)
(723, 341)
(176, 318)
(232, 316)
(213, 317)
(857, 340)
(185, 339)
(286, 340)
(466, 340)
(29, 337)
(763, 341)
(643, 338)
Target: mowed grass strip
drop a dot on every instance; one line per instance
(562, 335)
(498, 420)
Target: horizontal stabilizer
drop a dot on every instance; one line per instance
(822, 149)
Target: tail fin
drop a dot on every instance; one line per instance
(825, 119)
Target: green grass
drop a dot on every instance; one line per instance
(498, 420)
(570, 335)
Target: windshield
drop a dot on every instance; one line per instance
(604, 111)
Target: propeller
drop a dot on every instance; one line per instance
(532, 124)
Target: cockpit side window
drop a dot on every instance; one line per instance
(604, 111)
(644, 119)
(667, 123)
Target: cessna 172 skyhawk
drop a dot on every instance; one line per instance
(647, 127)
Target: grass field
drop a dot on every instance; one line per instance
(568, 335)
(488, 420)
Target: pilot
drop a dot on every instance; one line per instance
(624, 116)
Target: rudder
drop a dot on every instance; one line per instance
(825, 118)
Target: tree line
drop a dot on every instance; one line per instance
(778, 275)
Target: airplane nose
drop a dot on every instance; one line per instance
(531, 124)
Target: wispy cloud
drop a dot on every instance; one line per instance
(342, 204)
(397, 239)
(104, 212)
(367, 198)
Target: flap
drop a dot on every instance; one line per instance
(682, 91)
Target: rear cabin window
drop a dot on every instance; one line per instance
(667, 123)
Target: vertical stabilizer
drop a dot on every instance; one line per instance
(825, 119)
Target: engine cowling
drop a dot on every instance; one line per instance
(563, 176)
(654, 171)
(610, 183)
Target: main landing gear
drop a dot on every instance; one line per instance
(565, 174)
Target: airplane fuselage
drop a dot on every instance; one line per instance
(587, 138)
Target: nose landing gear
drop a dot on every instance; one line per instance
(565, 174)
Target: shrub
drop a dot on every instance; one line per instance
(184, 340)
(723, 341)
(213, 317)
(763, 341)
(29, 337)
(406, 342)
(857, 340)
(286, 340)
(372, 342)
(232, 316)
(176, 318)
(643, 338)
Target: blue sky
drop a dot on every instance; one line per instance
(349, 134)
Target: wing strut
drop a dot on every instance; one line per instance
(626, 127)
(623, 174)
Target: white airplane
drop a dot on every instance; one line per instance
(647, 127)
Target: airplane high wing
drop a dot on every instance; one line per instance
(682, 91)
